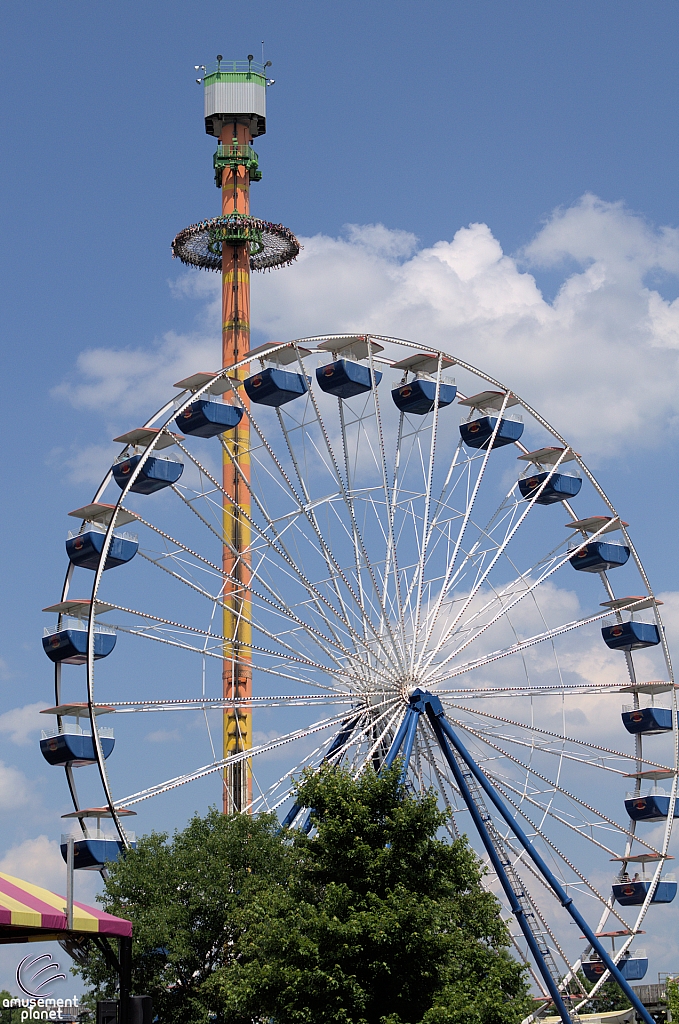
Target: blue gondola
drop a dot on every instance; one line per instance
(84, 549)
(561, 487)
(599, 555)
(632, 968)
(654, 807)
(208, 419)
(419, 396)
(647, 721)
(73, 749)
(633, 893)
(68, 645)
(630, 636)
(345, 378)
(156, 473)
(477, 433)
(92, 854)
(275, 387)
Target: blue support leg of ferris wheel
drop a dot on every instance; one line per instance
(392, 753)
(444, 731)
(498, 867)
(406, 737)
(409, 741)
(340, 740)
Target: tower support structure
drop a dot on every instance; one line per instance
(236, 243)
(237, 665)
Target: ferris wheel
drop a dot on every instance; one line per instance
(428, 572)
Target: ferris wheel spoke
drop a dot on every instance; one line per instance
(178, 544)
(198, 703)
(425, 536)
(332, 567)
(356, 534)
(331, 562)
(243, 755)
(387, 729)
(559, 736)
(321, 642)
(527, 768)
(506, 788)
(278, 548)
(253, 623)
(445, 785)
(314, 592)
(546, 690)
(433, 678)
(461, 532)
(560, 752)
(302, 506)
(530, 503)
(529, 589)
(219, 653)
(347, 473)
(277, 672)
(314, 758)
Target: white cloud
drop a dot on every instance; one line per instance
(600, 361)
(39, 861)
(15, 789)
(131, 382)
(164, 736)
(20, 723)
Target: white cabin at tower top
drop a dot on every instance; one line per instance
(235, 89)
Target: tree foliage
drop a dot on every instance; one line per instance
(183, 897)
(370, 919)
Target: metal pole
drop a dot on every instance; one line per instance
(70, 851)
(125, 977)
(392, 753)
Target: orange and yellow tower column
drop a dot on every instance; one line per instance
(237, 671)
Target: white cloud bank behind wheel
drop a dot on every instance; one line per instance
(601, 358)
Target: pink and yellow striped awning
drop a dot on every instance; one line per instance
(25, 907)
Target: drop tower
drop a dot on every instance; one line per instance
(236, 243)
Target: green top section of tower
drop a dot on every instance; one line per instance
(235, 91)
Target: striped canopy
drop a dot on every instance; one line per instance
(28, 911)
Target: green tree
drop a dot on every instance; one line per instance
(672, 999)
(183, 897)
(378, 921)
(6, 1013)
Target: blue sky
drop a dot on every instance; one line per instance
(496, 178)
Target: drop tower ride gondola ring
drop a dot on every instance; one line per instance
(271, 245)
